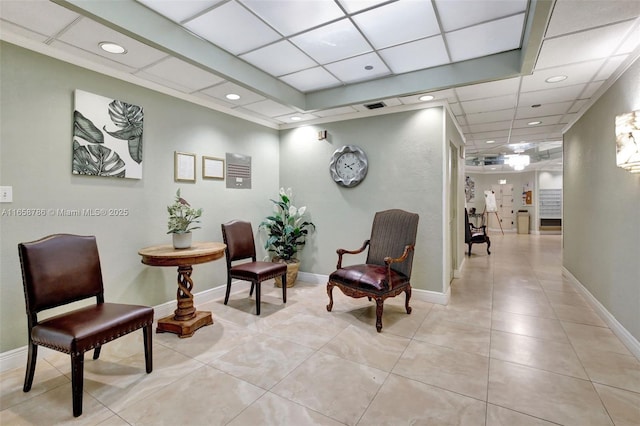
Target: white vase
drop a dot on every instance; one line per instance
(182, 241)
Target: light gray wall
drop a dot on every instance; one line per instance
(601, 204)
(35, 158)
(405, 152)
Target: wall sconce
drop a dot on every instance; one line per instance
(628, 141)
(517, 161)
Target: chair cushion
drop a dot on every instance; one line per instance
(258, 271)
(87, 328)
(372, 277)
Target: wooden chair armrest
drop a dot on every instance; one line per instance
(344, 251)
(390, 260)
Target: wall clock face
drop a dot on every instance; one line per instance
(348, 166)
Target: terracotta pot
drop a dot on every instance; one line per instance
(293, 266)
(182, 241)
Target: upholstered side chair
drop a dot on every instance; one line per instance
(60, 269)
(387, 269)
(242, 264)
(475, 234)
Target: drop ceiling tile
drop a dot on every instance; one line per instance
(335, 111)
(460, 14)
(487, 90)
(612, 64)
(546, 120)
(48, 20)
(425, 53)
(489, 117)
(491, 127)
(353, 69)
(597, 43)
(534, 130)
(185, 74)
(9, 28)
(220, 92)
(457, 111)
(353, 6)
(279, 58)
(87, 35)
(576, 74)
(292, 17)
(545, 109)
(559, 94)
(486, 39)
(578, 106)
(269, 108)
(572, 16)
(311, 79)
(221, 26)
(179, 11)
(332, 42)
(632, 41)
(163, 82)
(591, 89)
(76, 52)
(397, 23)
(295, 118)
(489, 104)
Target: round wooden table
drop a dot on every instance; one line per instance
(186, 320)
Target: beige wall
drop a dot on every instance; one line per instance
(35, 158)
(406, 163)
(602, 205)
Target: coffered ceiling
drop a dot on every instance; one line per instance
(294, 62)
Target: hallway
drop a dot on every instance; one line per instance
(517, 345)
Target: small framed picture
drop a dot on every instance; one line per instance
(184, 167)
(212, 168)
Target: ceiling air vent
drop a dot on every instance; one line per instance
(375, 105)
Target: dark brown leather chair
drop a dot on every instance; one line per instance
(238, 236)
(60, 269)
(475, 234)
(387, 269)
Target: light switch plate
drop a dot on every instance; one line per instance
(6, 194)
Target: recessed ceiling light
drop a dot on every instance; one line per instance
(534, 123)
(491, 141)
(426, 98)
(556, 78)
(110, 47)
(232, 97)
(295, 118)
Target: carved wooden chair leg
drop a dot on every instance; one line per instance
(406, 303)
(488, 245)
(379, 308)
(330, 293)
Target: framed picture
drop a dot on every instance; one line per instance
(184, 167)
(212, 168)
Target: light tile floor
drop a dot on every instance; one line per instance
(517, 345)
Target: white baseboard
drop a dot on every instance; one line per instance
(618, 329)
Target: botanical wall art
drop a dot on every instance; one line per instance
(107, 137)
(628, 141)
(470, 189)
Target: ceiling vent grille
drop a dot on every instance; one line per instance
(375, 105)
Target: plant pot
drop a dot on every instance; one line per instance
(182, 241)
(293, 266)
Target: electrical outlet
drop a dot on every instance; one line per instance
(6, 194)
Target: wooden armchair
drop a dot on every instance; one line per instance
(60, 269)
(475, 234)
(387, 269)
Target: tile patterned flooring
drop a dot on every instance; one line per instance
(517, 345)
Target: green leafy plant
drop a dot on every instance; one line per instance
(182, 216)
(287, 229)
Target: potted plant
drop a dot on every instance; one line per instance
(181, 219)
(287, 231)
